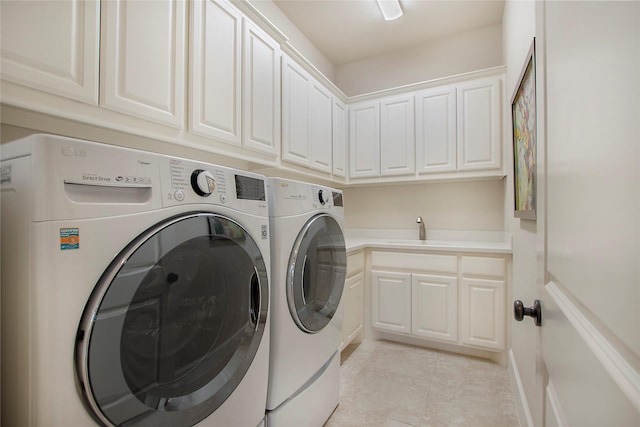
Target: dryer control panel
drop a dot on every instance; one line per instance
(289, 197)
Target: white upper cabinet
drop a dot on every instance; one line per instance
(320, 138)
(295, 113)
(382, 137)
(143, 59)
(143, 66)
(440, 132)
(52, 46)
(397, 136)
(215, 48)
(436, 130)
(261, 96)
(340, 137)
(479, 124)
(306, 118)
(364, 139)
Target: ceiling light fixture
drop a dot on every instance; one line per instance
(390, 9)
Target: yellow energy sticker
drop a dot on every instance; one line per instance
(69, 238)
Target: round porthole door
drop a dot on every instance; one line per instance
(173, 324)
(316, 275)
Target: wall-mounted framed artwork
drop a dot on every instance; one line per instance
(523, 120)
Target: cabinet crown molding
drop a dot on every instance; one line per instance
(443, 81)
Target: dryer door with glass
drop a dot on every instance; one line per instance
(173, 324)
(316, 273)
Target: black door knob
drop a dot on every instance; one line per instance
(519, 311)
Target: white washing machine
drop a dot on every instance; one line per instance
(134, 288)
(308, 273)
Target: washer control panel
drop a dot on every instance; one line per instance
(192, 182)
(185, 181)
(203, 182)
(323, 197)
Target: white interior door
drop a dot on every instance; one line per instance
(590, 184)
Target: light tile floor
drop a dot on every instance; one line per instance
(388, 384)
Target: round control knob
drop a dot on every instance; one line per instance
(203, 182)
(323, 197)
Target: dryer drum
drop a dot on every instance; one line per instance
(316, 273)
(173, 324)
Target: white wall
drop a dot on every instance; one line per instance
(519, 25)
(474, 205)
(459, 54)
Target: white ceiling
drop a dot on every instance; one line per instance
(350, 30)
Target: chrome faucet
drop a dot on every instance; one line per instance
(423, 232)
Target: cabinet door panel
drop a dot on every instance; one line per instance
(436, 130)
(391, 301)
(397, 136)
(261, 111)
(340, 137)
(52, 46)
(320, 127)
(295, 113)
(434, 308)
(215, 84)
(479, 133)
(143, 59)
(364, 140)
(482, 313)
(353, 308)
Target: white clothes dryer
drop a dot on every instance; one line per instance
(135, 288)
(308, 274)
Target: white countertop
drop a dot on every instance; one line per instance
(437, 240)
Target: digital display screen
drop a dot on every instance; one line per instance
(337, 199)
(248, 188)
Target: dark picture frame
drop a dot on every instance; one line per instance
(524, 122)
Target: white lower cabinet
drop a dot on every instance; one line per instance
(354, 307)
(434, 310)
(482, 320)
(452, 298)
(353, 299)
(391, 301)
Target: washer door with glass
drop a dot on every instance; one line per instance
(173, 324)
(316, 275)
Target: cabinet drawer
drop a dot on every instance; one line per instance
(416, 261)
(483, 266)
(355, 263)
